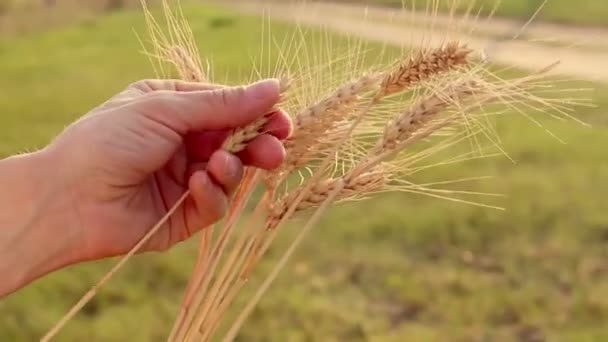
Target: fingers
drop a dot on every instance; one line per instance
(201, 146)
(279, 125)
(211, 185)
(218, 109)
(265, 152)
(211, 189)
(209, 202)
(226, 170)
(173, 85)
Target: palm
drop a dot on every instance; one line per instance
(143, 205)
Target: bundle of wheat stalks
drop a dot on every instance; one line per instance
(357, 131)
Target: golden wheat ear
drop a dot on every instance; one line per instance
(172, 45)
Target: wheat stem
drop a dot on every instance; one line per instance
(225, 277)
(206, 274)
(280, 264)
(231, 268)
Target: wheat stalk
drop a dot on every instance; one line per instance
(340, 100)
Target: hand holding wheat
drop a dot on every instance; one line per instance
(126, 162)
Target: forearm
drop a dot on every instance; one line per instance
(33, 237)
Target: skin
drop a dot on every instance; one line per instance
(97, 188)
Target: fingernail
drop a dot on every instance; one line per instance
(264, 88)
(230, 166)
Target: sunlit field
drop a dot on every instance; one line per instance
(400, 267)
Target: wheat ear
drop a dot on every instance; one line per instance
(359, 181)
(185, 65)
(318, 193)
(403, 126)
(322, 116)
(424, 65)
(316, 120)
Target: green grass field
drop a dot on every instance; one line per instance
(397, 268)
(587, 12)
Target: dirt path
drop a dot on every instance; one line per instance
(588, 60)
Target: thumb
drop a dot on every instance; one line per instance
(215, 109)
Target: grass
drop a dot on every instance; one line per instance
(587, 12)
(418, 269)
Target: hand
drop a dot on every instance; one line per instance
(128, 164)
(115, 172)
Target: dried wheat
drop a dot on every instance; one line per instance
(424, 65)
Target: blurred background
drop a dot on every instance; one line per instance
(396, 268)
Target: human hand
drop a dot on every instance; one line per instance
(128, 161)
(98, 188)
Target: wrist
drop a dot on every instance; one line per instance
(35, 236)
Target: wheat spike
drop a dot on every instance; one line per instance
(240, 137)
(318, 193)
(403, 126)
(187, 68)
(238, 140)
(323, 116)
(424, 65)
(346, 93)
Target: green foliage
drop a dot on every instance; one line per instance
(399, 267)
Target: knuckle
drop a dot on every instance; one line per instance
(228, 96)
(141, 85)
(158, 98)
